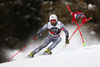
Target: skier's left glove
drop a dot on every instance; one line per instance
(38, 34)
(67, 40)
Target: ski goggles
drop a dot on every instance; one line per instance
(53, 20)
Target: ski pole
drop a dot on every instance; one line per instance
(81, 35)
(77, 29)
(68, 7)
(22, 49)
(77, 25)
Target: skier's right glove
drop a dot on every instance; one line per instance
(38, 34)
(67, 40)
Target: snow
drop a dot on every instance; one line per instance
(75, 55)
(82, 57)
(93, 32)
(90, 6)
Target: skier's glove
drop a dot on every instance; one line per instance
(38, 34)
(67, 40)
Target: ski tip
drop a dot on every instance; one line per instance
(6, 61)
(91, 17)
(66, 3)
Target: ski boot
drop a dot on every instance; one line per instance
(47, 52)
(31, 55)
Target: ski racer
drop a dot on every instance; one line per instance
(54, 26)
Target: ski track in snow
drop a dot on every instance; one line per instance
(75, 54)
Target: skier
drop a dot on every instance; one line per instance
(54, 26)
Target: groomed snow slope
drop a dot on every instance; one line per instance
(82, 57)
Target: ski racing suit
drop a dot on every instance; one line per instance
(53, 36)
